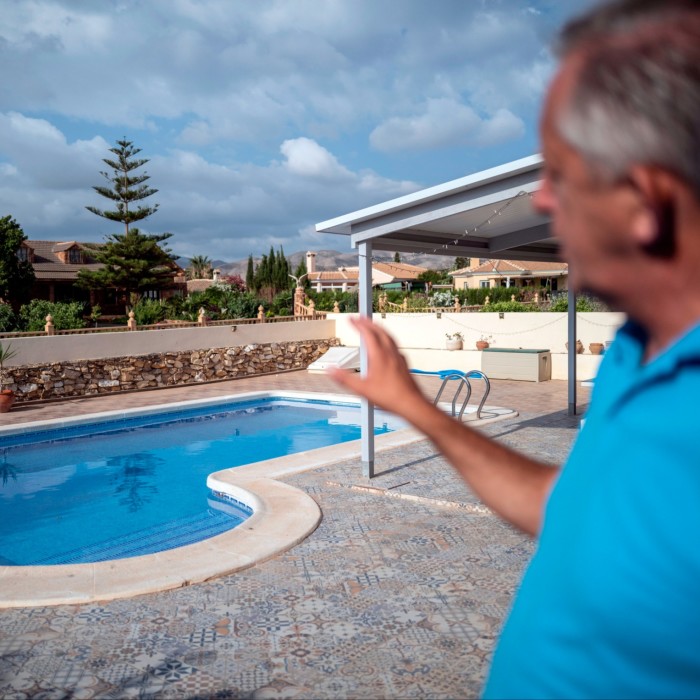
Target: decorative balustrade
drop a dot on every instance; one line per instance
(305, 313)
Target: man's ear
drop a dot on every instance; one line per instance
(654, 223)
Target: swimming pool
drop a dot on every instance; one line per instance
(128, 485)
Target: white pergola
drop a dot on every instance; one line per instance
(485, 215)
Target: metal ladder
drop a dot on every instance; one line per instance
(448, 375)
(463, 378)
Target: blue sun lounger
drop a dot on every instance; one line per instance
(448, 375)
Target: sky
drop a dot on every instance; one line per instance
(261, 118)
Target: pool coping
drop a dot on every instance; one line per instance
(283, 516)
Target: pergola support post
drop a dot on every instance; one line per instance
(366, 408)
(571, 358)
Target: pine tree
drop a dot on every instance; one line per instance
(125, 188)
(397, 257)
(16, 275)
(132, 263)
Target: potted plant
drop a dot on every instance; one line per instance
(455, 341)
(7, 396)
(483, 342)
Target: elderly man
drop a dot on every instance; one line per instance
(610, 604)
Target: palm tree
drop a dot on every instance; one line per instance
(200, 267)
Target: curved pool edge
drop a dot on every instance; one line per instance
(283, 517)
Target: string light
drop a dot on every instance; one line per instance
(456, 241)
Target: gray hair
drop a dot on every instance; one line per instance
(636, 97)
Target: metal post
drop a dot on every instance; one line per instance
(571, 317)
(366, 408)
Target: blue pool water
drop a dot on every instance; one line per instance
(134, 486)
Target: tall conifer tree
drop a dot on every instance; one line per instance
(125, 188)
(250, 274)
(133, 262)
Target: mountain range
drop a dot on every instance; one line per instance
(330, 260)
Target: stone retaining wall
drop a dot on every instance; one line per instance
(89, 377)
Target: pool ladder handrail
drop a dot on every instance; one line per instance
(463, 378)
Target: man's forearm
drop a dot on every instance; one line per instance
(514, 486)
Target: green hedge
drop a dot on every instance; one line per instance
(65, 315)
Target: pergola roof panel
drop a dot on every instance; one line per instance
(488, 214)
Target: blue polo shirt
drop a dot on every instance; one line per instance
(610, 604)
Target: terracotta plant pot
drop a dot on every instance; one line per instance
(7, 398)
(596, 348)
(481, 344)
(579, 347)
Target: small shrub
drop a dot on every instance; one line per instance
(148, 312)
(243, 306)
(508, 306)
(442, 299)
(282, 304)
(584, 303)
(347, 301)
(8, 319)
(66, 315)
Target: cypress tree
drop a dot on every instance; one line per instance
(250, 274)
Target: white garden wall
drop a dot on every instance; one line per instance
(422, 336)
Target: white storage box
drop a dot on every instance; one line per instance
(516, 363)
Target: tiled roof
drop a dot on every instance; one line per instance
(400, 270)
(198, 285)
(397, 271)
(333, 275)
(48, 266)
(58, 247)
(512, 267)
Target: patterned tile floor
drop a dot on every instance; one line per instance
(399, 593)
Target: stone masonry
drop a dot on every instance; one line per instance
(89, 377)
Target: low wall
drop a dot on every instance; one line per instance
(433, 360)
(93, 346)
(128, 373)
(421, 336)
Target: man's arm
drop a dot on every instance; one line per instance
(511, 484)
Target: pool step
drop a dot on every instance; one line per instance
(176, 533)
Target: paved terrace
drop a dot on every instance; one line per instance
(399, 593)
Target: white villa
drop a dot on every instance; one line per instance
(512, 273)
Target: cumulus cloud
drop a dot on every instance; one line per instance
(445, 123)
(223, 211)
(260, 118)
(41, 154)
(307, 158)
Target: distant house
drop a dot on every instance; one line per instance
(389, 275)
(201, 284)
(512, 273)
(57, 263)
